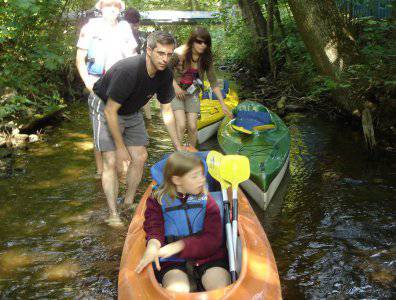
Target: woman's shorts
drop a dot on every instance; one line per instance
(198, 271)
(190, 104)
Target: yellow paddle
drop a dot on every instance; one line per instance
(214, 162)
(235, 169)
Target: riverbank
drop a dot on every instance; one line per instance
(287, 95)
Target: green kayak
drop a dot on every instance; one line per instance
(266, 144)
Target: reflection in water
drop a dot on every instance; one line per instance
(331, 223)
(335, 235)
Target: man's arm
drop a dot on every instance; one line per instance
(82, 68)
(170, 123)
(111, 114)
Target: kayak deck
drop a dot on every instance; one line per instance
(267, 151)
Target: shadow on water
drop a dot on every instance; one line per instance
(331, 223)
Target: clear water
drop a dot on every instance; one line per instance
(331, 224)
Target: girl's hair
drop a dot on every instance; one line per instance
(206, 58)
(178, 164)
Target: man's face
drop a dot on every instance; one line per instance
(110, 10)
(160, 55)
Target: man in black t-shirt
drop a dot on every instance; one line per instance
(119, 130)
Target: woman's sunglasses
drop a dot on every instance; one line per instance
(201, 42)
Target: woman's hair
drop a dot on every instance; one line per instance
(132, 16)
(206, 58)
(178, 164)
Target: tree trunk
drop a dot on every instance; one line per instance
(325, 34)
(270, 33)
(251, 12)
(282, 30)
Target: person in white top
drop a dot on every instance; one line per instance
(102, 42)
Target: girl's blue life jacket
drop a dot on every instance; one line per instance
(182, 219)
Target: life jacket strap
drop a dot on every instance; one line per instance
(172, 238)
(184, 206)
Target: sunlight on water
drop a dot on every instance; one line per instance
(54, 243)
(331, 224)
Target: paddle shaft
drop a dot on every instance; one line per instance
(230, 246)
(235, 218)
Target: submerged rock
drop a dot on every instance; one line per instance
(33, 138)
(330, 176)
(13, 259)
(294, 107)
(61, 272)
(353, 181)
(3, 140)
(19, 140)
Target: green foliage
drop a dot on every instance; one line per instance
(173, 4)
(36, 50)
(234, 41)
(16, 106)
(373, 78)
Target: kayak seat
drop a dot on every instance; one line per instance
(247, 121)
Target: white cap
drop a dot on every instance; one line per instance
(99, 4)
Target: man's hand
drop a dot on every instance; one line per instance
(122, 155)
(111, 114)
(180, 93)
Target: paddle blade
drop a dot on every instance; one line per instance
(235, 169)
(213, 160)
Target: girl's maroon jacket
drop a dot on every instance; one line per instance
(203, 248)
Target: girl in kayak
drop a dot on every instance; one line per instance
(184, 228)
(190, 63)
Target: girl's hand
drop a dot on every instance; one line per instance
(227, 112)
(180, 93)
(171, 249)
(150, 255)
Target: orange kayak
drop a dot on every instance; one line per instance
(258, 276)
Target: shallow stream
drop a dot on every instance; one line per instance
(331, 225)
